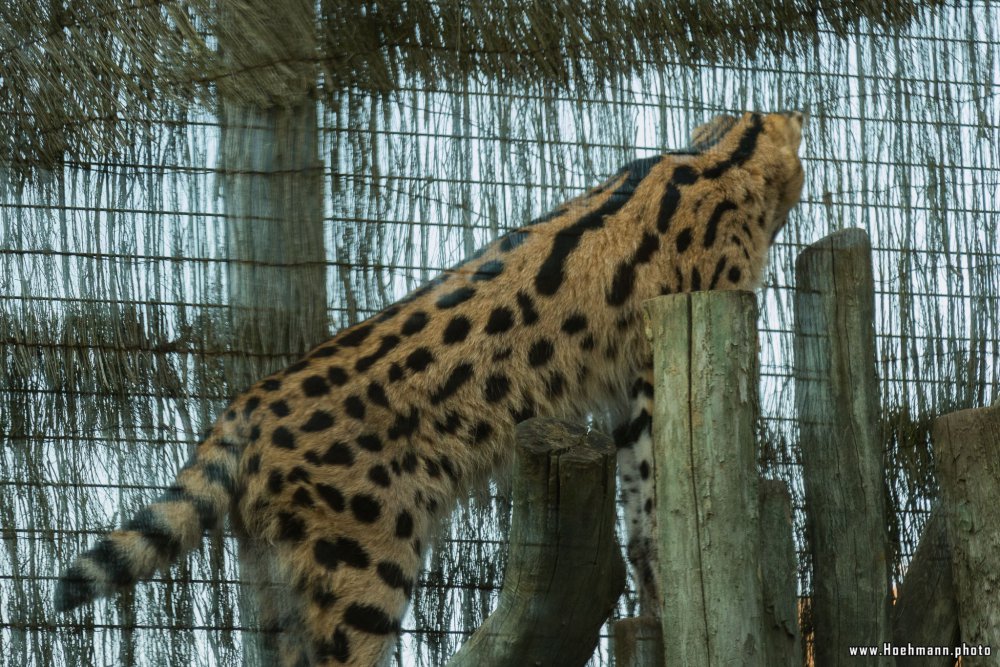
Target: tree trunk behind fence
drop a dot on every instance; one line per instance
(842, 459)
(967, 451)
(565, 571)
(706, 406)
(273, 198)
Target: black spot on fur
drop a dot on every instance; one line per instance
(528, 313)
(370, 442)
(734, 275)
(712, 228)
(270, 384)
(458, 377)
(683, 239)
(338, 454)
(684, 175)
(743, 151)
(695, 279)
(588, 343)
(503, 354)
(501, 320)
(290, 527)
(337, 376)
(354, 337)
(433, 469)
(337, 646)
(419, 359)
(668, 207)
(314, 385)
(404, 525)
(496, 387)
(405, 425)
(396, 372)
(253, 464)
(488, 271)
(279, 408)
(331, 496)
(481, 432)
(456, 330)
(319, 421)
(298, 474)
(250, 406)
(450, 424)
(366, 508)
(551, 274)
(415, 323)
(717, 273)
(379, 475)
(325, 351)
(385, 346)
(540, 352)
(354, 407)
(343, 550)
(454, 298)
(388, 313)
(624, 280)
(297, 366)
(648, 509)
(410, 463)
(394, 577)
(513, 239)
(376, 394)
(644, 470)
(370, 619)
(275, 482)
(575, 323)
(147, 523)
(282, 437)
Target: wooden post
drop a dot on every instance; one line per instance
(967, 452)
(782, 645)
(638, 642)
(926, 611)
(842, 461)
(273, 198)
(706, 381)
(565, 571)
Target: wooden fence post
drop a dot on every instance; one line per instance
(782, 643)
(565, 571)
(706, 380)
(967, 452)
(842, 456)
(926, 611)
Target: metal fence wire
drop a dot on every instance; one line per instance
(114, 334)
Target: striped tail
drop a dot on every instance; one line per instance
(159, 533)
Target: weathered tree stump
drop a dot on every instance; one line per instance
(926, 611)
(967, 452)
(565, 571)
(706, 378)
(842, 459)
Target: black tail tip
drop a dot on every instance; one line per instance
(74, 589)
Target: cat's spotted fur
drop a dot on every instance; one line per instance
(336, 470)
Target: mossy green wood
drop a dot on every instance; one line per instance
(565, 571)
(842, 460)
(706, 377)
(967, 451)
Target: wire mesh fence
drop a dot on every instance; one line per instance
(114, 307)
